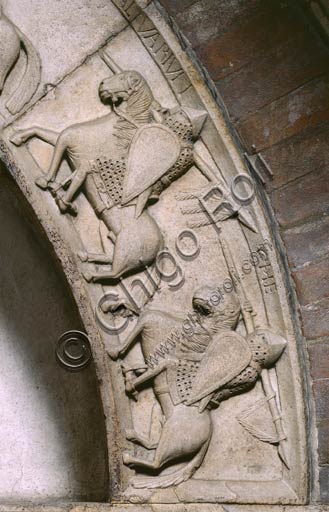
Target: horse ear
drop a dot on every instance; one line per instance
(133, 82)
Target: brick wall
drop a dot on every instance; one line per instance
(270, 64)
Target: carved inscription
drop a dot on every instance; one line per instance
(182, 280)
(162, 54)
(156, 45)
(128, 8)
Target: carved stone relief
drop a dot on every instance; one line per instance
(18, 80)
(131, 170)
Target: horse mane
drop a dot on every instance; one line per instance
(138, 108)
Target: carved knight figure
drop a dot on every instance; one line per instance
(196, 375)
(122, 162)
(198, 372)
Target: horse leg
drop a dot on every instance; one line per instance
(92, 257)
(134, 437)
(183, 435)
(64, 201)
(21, 136)
(176, 477)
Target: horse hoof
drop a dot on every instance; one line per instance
(126, 458)
(66, 206)
(42, 183)
(88, 276)
(17, 139)
(83, 256)
(130, 434)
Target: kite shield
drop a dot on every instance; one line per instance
(153, 151)
(226, 356)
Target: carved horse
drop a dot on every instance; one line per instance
(227, 366)
(137, 240)
(122, 162)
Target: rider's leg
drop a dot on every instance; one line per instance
(64, 201)
(77, 181)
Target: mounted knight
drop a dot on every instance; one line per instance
(197, 372)
(122, 162)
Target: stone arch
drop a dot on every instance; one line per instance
(176, 80)
(53, 435)
(282, 127)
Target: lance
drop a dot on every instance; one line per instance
(114, 67)
(248, 317)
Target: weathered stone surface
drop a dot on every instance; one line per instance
(108, 237)
(291, 133)
(123, 159)
(52, 436)
(75, 29)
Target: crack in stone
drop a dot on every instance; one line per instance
(52, 87)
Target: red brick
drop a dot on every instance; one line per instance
(315, 321)
(324, 484)
(298, 155)
(175, 6)
(280, 71)
(321, 397)
(319, 360)
(207, 19)
(312, 283)
(307, 243)
(323, 442)
(249, 39)
(306, 197)
(305, 107)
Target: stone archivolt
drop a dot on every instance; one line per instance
(200, 383)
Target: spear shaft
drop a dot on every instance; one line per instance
(269, 392)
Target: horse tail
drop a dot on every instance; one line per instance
(29, 82)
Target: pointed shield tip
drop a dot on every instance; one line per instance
(283, 456)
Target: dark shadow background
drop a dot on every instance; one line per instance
(52, 433)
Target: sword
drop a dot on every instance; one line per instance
(248, 317)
